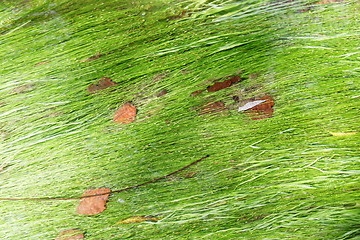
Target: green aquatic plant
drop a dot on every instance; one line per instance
(284, 177)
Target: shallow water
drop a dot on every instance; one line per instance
(284, 177)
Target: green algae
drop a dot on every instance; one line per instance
(285, 177)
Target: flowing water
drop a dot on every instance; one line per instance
(292, 176)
